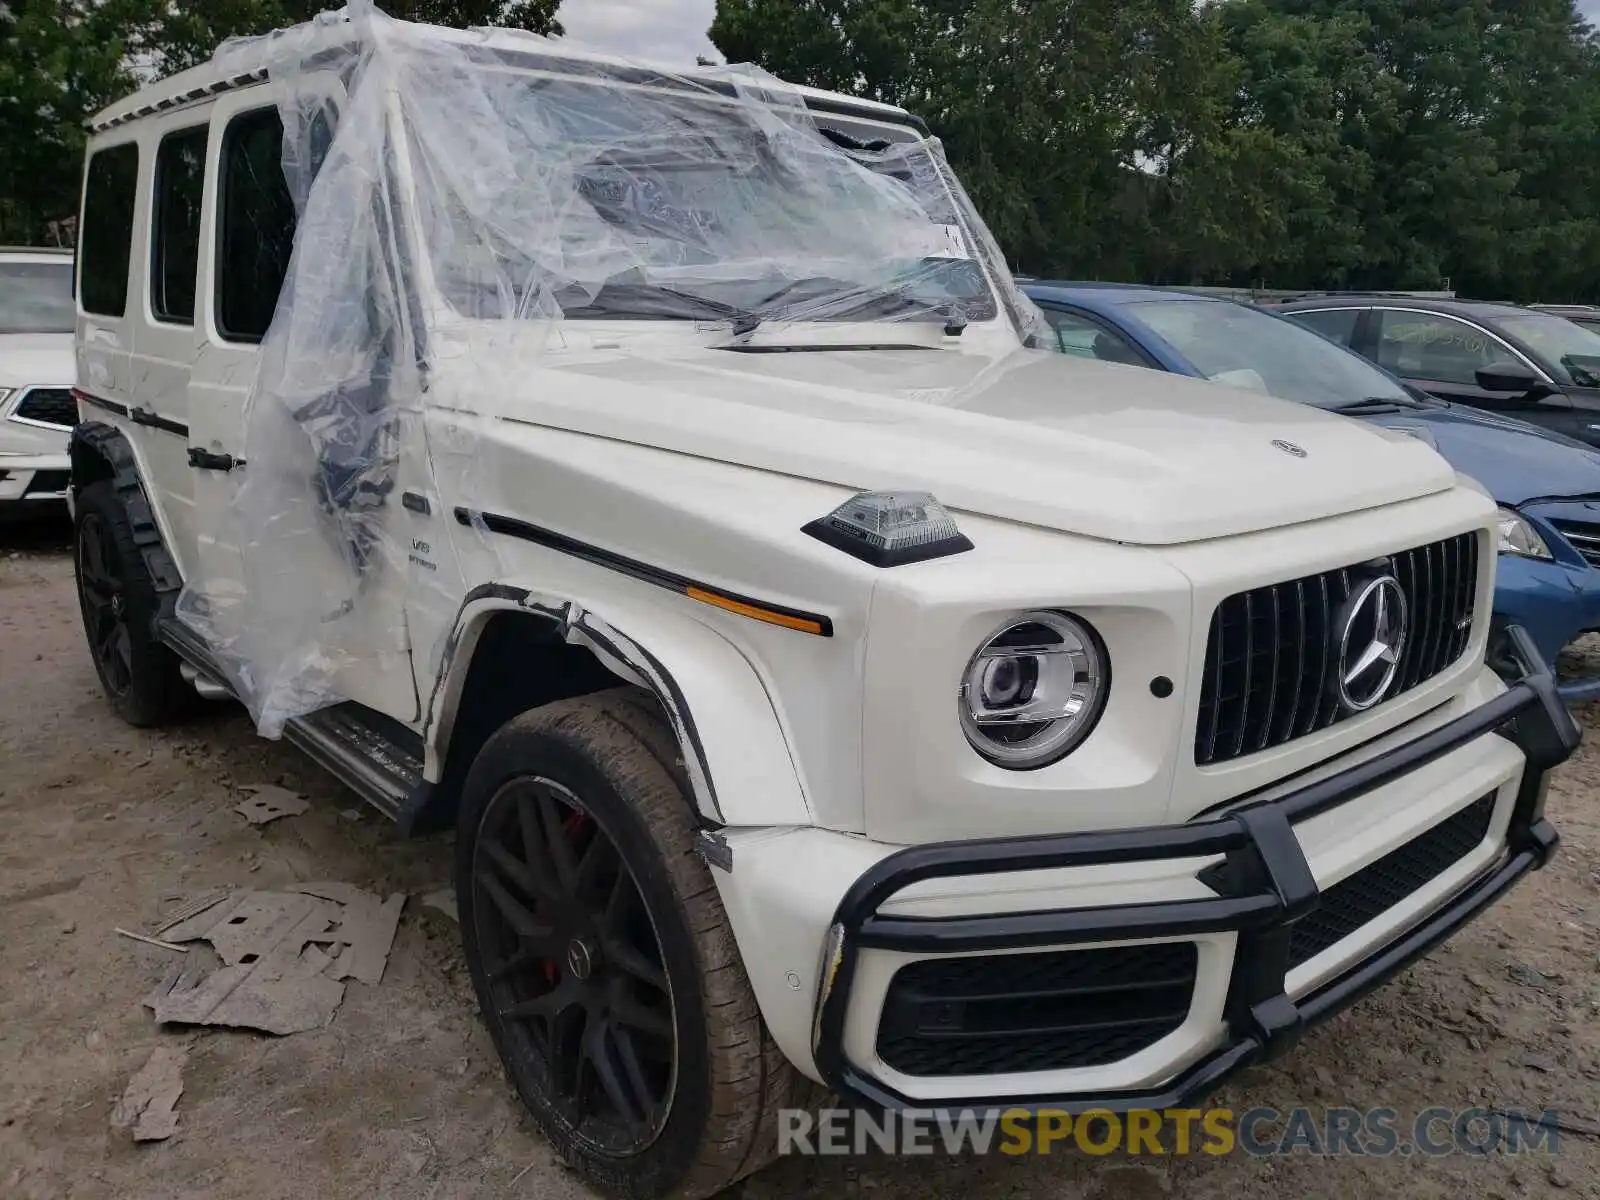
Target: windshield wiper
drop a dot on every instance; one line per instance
(1376, 404)
(742, 319)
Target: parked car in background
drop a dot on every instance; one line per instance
(1547, 486)
(37, 411)
(1587, 315)
(1509, 360)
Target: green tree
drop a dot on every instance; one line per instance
(1442, 140)
(60, 61)
(1093, 137)
(63, 60)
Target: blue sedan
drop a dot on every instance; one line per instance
(1547, 486)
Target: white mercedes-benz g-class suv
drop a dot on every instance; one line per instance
(647, 474)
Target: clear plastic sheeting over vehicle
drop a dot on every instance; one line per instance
(448, 182)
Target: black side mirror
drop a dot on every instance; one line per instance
(1509, 377)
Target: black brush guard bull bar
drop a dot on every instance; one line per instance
(1264, 885)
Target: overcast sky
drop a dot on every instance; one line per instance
(674, 31)
(667, 31)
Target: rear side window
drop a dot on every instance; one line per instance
(257, 227)
(175, 239)
(106, 244)
(1335, 324)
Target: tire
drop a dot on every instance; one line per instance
(609, 760)
(120, 605)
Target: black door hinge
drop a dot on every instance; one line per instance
(205, 460)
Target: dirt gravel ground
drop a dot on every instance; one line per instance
(402, 1096)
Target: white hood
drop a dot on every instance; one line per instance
(1120, 453)
(44, 359)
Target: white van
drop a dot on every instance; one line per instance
(646, 474)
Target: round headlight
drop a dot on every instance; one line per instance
(1034, 690)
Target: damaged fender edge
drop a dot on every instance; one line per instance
(741, 772)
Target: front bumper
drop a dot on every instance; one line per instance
(1263, 887)
(34, 477)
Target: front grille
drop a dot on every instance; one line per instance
(993, 1014)
(1585, 539)
(53, 406)
(1375, 889)
(1269, 659)
(48, 483)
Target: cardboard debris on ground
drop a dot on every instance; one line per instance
(284, 955)
(268, 802)
(149, 1103)
(442, 900)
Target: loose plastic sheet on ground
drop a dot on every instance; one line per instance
(491, 177)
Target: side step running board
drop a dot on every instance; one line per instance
(375, 757)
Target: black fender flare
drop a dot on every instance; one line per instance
(102, 452)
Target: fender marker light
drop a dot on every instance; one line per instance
(888, 529)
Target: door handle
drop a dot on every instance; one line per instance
(205, 460)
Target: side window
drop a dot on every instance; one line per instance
(107, 242)
(1083, 338)
(1335, 324)
(256, 228)
(175, 236)
(1434, 347)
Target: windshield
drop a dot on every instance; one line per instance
(1244, 347)
(637, 204)
(36, 297)
(1573, 350)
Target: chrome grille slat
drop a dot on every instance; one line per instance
(1436, 622)
(1268, 676)
(1405, 570)
(1418, 604)
(1299, 683)
(1244, 690)
(1456, 554)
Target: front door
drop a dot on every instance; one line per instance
(299, 600)
(1441, 354)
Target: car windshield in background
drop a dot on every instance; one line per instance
(642, 205)
(1566, 345)
(36, 297)
(1244, 347)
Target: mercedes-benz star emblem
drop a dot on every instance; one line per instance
(579, 961)
(1289, 447)
(1371, 641)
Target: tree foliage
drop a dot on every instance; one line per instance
(1295, 143)
(1371, 143)
(63, 60)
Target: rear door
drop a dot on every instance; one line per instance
(165, 277)
(292, 562)
(107, 303)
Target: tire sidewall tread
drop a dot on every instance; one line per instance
(622, 761)
(157, 692)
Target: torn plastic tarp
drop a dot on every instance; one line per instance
(494, 177)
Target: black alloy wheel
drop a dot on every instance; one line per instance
(574, 966)
(121, 604)
(105, 604)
